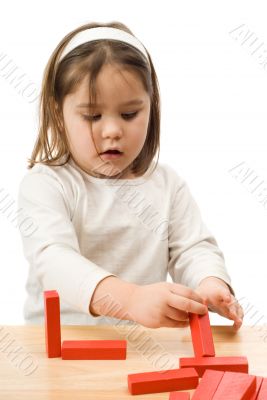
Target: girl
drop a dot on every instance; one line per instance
(111, 222)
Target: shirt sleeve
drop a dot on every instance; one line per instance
(52, 247)
(193, 251)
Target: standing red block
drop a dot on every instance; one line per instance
(259, 380)
(94, 349)
(52, 323)
(201, 335)
(179, 396)
(235, 386)
(263, 390)
(233, 364)
(208, 385)
(162, 381)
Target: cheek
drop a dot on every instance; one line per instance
(79, 135)
(143, 123)
(139, 131)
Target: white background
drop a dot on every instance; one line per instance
(213, 96)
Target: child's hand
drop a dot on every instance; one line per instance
(164, 304)
(219, 299)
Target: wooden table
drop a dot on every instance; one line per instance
(27, 373)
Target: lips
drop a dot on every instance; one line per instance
(113, 154)
(112, 151)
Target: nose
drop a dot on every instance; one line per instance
(111, 129)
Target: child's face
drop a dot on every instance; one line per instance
(111, 127)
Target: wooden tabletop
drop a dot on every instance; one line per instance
(27, 373)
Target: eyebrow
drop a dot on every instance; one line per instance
(135, 101)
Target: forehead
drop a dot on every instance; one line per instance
(115, 84)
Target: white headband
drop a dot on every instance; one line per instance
(99, 33)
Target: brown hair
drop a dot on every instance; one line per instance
(62, 78)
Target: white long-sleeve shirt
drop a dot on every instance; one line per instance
(88, 228)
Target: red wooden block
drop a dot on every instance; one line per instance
(259, 380)
(263, 390)
(208, 385)
(52, 323)
(233, 364)
(201, 335)
(235, 386)
(94, 349)
(179, 396)
(162, 381)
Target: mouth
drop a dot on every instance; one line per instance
(112, 154)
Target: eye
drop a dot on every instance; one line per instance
(90, 117)
(95, 117)
(131, 115)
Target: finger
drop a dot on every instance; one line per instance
(237, 323)
(183, 324)
(233, 301)
(226, 313)
(235, 313)
(222, 310)
(171, 323)
(187, 305)
(236, 309)
(240, 312)
(176, 315)
(185, 291)
(229, 311)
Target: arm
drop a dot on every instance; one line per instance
(53, 248)
(197, 261)
(194, 252)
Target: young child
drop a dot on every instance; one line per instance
(111, 222)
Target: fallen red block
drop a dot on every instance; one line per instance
(179, 396)
(262, 395)
(233, 364)
(201, 335)
(208, 385)
(235, 386)
(94, 349)
(162, 381)
(52, 323)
